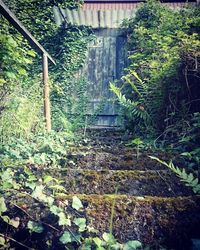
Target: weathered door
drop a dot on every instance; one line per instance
(105, 62)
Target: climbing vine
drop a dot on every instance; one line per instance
(67, 44)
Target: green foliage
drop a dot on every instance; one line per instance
(81, 223)
(138, 144)
(40, 149)
(188, 145)
(66, 238)
(37, 15)
(22, 113)
(35, 227)
(131, 245)
(189, 179)
(67, 45)
(15, 57)
(69, 88)
(3, 207)
(73, 231)
(76, 203)
(135, 109)
(161, 86)
(109, 242)
(20, 94)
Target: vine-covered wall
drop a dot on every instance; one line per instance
(67, 45)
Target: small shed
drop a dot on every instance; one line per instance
(106, 55)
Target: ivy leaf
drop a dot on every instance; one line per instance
(55, 210)
(108, 238)
(81, 223)
(15, 222)
(32, 178)
(11, 41)
(2, 241)
(10, 75)
(31, 53)
(97, 241)
(22, 71)
(5, 218)
(38, 193)
(63, 220)
(132, 245)
(31, 185)
(76, 203)
(116, 246)
(3, 207)
(2, 81)
(35, 227)
(50, 200)
(65, 238)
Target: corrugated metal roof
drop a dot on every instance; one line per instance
(124, 5)
(102, 15)
(94, 18)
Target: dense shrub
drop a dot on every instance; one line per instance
(162, 81)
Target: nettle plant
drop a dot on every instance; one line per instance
(70, 224)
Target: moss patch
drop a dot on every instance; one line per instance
(172, 221)
(133, 182)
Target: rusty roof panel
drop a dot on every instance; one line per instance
(109, 6)
(124, 5)
(103, 15)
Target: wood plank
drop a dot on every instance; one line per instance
(47, 109)
(20, 27)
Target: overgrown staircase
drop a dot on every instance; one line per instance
(150, 203)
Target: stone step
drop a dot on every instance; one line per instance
(132, 182)
(116, 159)
(152, 220)
(107, 136)
(109, 132)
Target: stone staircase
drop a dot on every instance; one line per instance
(150, 203)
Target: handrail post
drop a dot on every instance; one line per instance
(47, 109)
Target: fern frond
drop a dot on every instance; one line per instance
(115, 89)
(134, 87)
(189, 179)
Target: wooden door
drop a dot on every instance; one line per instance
(105, 63)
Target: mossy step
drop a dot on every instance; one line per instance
(126, 159)
(171, 221)
(133, 182)
(104, 132)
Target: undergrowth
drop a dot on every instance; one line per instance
(25, 187)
